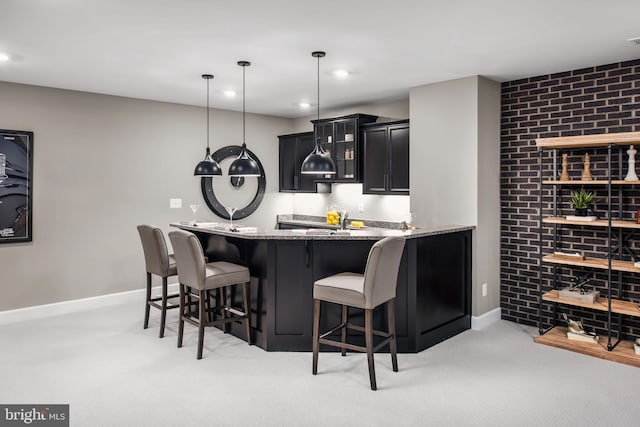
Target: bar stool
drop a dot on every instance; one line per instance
(201, 277)
(158, 262)
(366, 291)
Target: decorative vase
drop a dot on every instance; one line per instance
(581, 211)
(631, 174)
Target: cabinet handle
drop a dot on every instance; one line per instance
(295, 182)
(307, 256)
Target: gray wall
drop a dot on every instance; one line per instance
(488, 232)
(102, 165)
(455, 169)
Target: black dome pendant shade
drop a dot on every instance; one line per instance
(318, 162)
(244, 164)
(208, 166)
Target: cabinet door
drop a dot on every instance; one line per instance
(305, 182)
(398, 178)
(324, 131)
(287, 162)
(292, 303)
(375, 160)
(345, 145)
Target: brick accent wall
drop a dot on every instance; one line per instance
(594, 100)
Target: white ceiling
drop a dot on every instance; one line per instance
(157, 49)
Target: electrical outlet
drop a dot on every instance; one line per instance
(175, 203)
(360, 207)
(484, 289)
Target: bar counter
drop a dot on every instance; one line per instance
(433, 299)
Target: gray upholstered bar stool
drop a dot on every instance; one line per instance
(158, 262)
(366, 291)
(201, 277)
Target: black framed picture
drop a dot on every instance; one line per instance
(16, 188)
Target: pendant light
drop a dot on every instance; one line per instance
(318, 161)
(244, 165)
(207, 167)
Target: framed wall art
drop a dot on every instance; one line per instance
(16, 188)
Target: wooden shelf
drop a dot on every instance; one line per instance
(589, 141)
(600, 263)
(623, 353)
(597, 223)
(617, 306)
(591, 182)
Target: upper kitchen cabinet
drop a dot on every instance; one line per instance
(293, 150)
(340, 136)
(385, 148)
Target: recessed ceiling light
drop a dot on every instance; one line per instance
(341, 74)
(229, 93)
(304, 105)
(635, 40)
(4, 56)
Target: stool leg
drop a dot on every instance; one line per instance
(182, 314)
(391, 319)
(163, 315)
(316, 334)
(345, 318)
(225, 303)
(247, 309)
(201, 321)
(209, 314)
(368, 333)
(146, 303)
(189, 301)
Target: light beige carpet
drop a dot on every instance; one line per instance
(114, 373)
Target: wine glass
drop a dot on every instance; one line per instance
(230, 211)
(194, 209)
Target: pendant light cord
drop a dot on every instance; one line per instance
(244, 138)
(318, 88)
(208, 115)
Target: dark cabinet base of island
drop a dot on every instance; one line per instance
(433, 299)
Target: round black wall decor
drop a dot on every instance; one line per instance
(208, 185)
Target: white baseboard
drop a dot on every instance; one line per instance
(65, 307)
(484, 320)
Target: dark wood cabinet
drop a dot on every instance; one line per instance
(385, 148)
(433, 295)
(293, 150)
(340, 136)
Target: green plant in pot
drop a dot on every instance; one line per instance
(581, 200)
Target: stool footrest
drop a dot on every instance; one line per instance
(168, 297)
(361, 329)
(223, 321)
(343, 345)
(159, 306)
(387, 340)
(332, 330)
(355, 328)
(383, 343)
(234, 311)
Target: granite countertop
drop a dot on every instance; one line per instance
(308, 223)
(313, 221)
(369, 233)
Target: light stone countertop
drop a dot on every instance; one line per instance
(364, 234)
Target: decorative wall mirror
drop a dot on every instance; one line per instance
(243, 193)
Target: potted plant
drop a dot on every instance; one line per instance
(581, 200)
